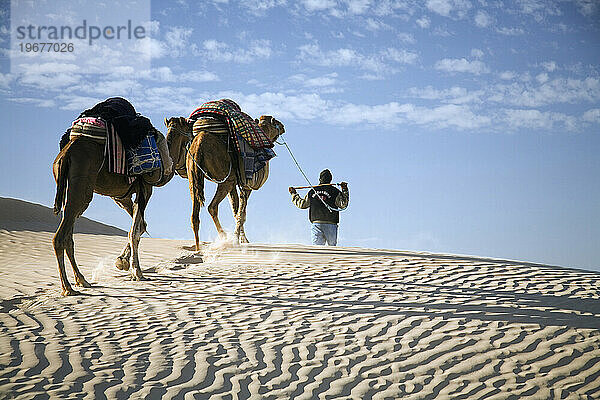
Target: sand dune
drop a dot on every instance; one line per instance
(291, 321)
(19, 215)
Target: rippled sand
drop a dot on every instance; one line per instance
(291, 321)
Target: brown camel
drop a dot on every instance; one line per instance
(208, 156)
(80, 171)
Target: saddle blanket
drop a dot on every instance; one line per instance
(91, 127)
(98, 129)
(144, 158)
(252, 159)
(239, 123)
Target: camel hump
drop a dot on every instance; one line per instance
(131, 127)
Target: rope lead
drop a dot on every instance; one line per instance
(331, 209)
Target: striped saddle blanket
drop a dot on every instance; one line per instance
(91, 127)
(251, 160)
(240, 124)
(143, 158)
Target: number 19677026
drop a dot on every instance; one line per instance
(46, 47)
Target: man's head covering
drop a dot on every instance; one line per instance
(325, 176)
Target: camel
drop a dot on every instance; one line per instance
(208, 157)
(80, 171)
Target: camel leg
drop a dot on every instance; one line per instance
(213, 207)
(137, 229)
(122, 261)
(196, 204)
(241, 216)
(235, 201)
(63, 235)
(79, 195)
(79, 278)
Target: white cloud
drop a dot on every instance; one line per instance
(549, 66)
(423, 22)
(153, 27)
(151, 47)
(36, 102)
(310, 107)
(260, 7)
(111, 88)
(318, 5)
(77, 103)
(358, 6)
(313, 54)
(401, 56)
(510, 31)
(483, 19)
(176, 40)
(219, 51)
(450, 115)
(587, 7)
(476, 53)
(461, 65)
(344, 57)
(6, 80)
(49, 76)
(507, 75)
(372, 24)
(447, 8)
(49, 68)
(538, 9)
(442, 7)
(176, 43)
(592, 115)
(542, 78)
(454, 95)
(4, 34)
(556, 91)
(537, 120)
(406, 37)
(302, 107)
(162, 74)
(198, 76)
(320, 81)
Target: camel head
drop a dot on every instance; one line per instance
(179, 134)
(271, 127)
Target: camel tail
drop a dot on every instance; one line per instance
(197, 179)
(60, 169)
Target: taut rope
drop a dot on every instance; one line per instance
(332, 209)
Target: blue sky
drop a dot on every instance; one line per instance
(468, 127)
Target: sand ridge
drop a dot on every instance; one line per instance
(292, 321)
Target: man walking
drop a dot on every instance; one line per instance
(324, 203)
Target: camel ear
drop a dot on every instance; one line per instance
(166, 122)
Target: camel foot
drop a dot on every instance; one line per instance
(122, 264)
(139, 277)
(81, 282)
(244, 240)
(222, 236)
(70, 292)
